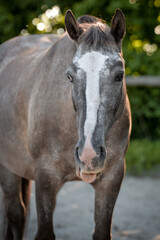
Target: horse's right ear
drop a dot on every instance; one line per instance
(72, 26)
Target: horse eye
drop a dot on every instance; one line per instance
(70, 78)
(119, 78)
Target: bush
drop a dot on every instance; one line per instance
(145, 102)
(142, 155)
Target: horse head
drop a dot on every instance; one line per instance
(98, 89)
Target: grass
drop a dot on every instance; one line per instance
(143, 155)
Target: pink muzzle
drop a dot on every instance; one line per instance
(87, 156)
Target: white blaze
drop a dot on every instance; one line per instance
(92, 63)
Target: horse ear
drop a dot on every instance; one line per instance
(72, 26)
(118, 26)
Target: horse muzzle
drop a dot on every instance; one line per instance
(90, 162)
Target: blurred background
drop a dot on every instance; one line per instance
(141, 53)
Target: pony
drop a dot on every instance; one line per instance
(65, 116)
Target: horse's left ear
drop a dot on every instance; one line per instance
(72, 26)
(118, 26)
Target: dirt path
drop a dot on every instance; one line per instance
(136, 215)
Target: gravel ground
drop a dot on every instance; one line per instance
(136, 215)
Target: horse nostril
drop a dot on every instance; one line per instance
(98, 160)
(76, 154)
(102, 153)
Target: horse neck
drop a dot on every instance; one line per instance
(52, 91)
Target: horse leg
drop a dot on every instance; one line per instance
(26, 190)
(15, 207)
(47, 187)
(106, 192)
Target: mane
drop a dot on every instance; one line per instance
(96, 32)
(88, 19)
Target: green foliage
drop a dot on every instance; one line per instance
(142, 156)
(145, 106)
(50, 21)
(16, 15)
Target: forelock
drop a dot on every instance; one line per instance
(96, 34)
